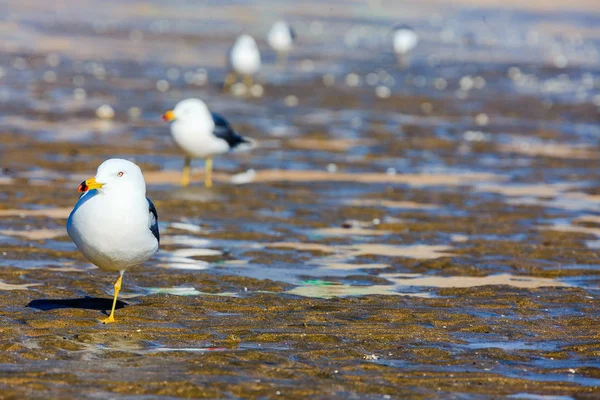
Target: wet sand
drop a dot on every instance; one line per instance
(417, 233)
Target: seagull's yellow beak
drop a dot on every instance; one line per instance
(168, 116)
(89, 184)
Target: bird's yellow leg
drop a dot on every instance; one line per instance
(111, 317)
(229, 80)
(248, 81)
(185, 174)
(208, 173)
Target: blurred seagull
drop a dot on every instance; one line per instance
(202, 134)
(281, 38)
(244, 60)
(405, 39)
(114, 224)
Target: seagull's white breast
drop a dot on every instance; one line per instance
(112, 230)
(195, 137)
(279, 38)
(245, 59)
(404, 41)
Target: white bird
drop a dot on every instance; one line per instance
(281, 38)
(405, 39)
(244, 60)
(114, 224)
(202, 134)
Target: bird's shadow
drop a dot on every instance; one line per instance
(85, 303)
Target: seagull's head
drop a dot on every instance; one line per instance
(187, 110)
(116, 174)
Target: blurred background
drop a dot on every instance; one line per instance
(447, 195)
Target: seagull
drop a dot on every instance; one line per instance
(244, 60)
(405, 39)
(202, 134)
(281, 38)
(114, 224)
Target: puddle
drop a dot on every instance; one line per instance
(472, 281)
(186, 291)
(329, 145)
(353, 231)
(419, 285)
(556, 150)
(57, 213)
(351, 267)
(36, 234)
(10, 286)
(408, 205)
(328, 290)
(417, 180)
(531, 396)
(513, 345)
(422, 252)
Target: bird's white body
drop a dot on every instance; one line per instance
(280, 37)
(193, 128)
(405, 40)
(111, 226)
(244, 56)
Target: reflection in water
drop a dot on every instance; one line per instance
(187, 349)
(327, 290)
(36, 234)
(527, 190)
(187, 291)
(419, 251)
(184, 258)
(353, 231)
(402, 283)
(529, 282)
(525, 146)
(416, 180)
(352, 267)
(564, 226)
(408, 205)
(330, 145)
(58, 213)
(10, 286)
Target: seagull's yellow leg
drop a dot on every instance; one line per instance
(208, 173)
(185, 174)
(229, 80)
(111, 317)
(248, 81)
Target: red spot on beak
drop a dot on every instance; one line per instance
(82, 187)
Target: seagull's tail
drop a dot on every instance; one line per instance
(245, 144)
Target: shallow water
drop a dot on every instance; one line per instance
(426, 232)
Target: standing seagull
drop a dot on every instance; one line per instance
(281, 38)
(114, 224)
(405, 40)
(243, 59)
(202, 134)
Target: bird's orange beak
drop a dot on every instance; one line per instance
(89, 184)
(168, 116)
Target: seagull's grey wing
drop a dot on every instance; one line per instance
(153, 220)
(224, 131)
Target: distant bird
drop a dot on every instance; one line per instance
(405, 39)
(202, 134)
(281, 38)
(114, 224)
(244, 60)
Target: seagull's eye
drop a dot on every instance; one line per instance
(120, 174)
